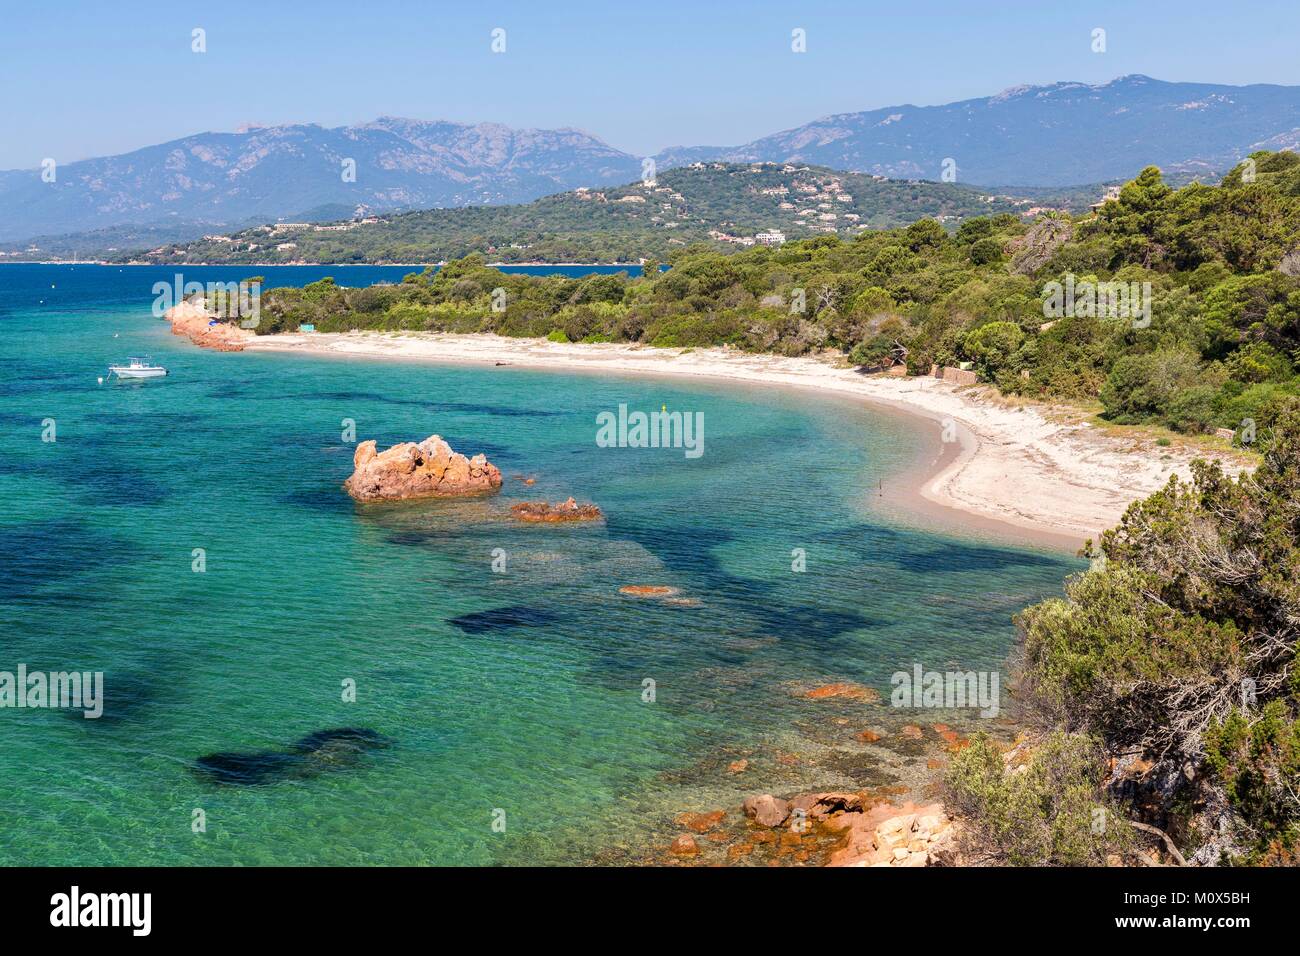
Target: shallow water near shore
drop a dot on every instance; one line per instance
(480, 695)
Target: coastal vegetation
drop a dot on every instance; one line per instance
(1054, 810)
(1173, 663)
(1216, 269)
(1160, 693)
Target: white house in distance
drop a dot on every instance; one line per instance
(1112, 193)
(773, 237)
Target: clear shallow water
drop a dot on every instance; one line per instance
(520, 691)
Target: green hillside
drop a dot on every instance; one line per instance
(724, 205)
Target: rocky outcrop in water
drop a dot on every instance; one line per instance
(560, 511)
(429, 469)
(192, 320)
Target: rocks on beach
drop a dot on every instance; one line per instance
(192, 320)
(767, 810)
(410, 470)
(560, 511)
(873, 832)
(890, 835)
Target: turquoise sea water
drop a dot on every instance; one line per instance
(520, 691)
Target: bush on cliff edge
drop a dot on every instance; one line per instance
(1051, 810)
(1181, 649)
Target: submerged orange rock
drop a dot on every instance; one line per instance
(843, 689)
(410, 470)
(701, 822)
(560, 511)
(647, 590)
(684, 845)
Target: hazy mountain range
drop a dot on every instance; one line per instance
(220, 179)
(1056, 135)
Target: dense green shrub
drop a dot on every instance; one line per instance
(1052, 811)
(986, 251)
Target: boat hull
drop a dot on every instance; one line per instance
(138, 372)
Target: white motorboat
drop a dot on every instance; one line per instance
(137, 368)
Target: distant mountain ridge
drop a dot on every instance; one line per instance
(218, 179)
(1062, 134)
(1058, 135)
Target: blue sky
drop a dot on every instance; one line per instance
(82, 79)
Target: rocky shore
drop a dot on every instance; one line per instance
(899, 826)
(191, 319)
(872, 832)
(429, 469)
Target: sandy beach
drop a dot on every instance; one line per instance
(1004, 468)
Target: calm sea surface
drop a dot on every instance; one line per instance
(479, 696)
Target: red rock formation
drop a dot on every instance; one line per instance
(560, 511)
(408, 470)
(191, 320)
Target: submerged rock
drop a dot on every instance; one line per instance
(410, 470)
(648, 590)
(248, 769)
(842, 689)
(701, 822)
(319, 751)
(560, 511)
(684, 845)
(503, 619)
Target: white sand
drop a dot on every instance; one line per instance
(1049, 480)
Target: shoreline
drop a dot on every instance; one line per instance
(1007, 471)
